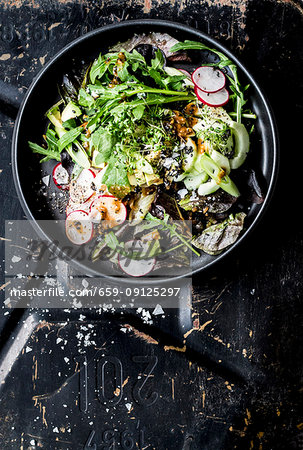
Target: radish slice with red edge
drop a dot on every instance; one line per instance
(108, 208)
(216, 99)
(86, 174)
(60, 176)
(136, 267)
(208, 79)
(72, 206)
(81, 188)
(85, 206)
(79, 229)
(185, 73)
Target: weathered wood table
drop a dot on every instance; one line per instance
(178, 390)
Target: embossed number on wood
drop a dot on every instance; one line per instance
(127, 441)
(7, 32)
(139, 397)
(83, 401)
(108, 438)
(109, 378)
(89, 445)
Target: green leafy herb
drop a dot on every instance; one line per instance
(69, 137)
(138, 111)
(158, 61)
(51, 139)
(122, 72)
(115, 176)
(150, 249)
(49, 154)
(85, 99)
(98, 68)
(102, 141)
(171, 227)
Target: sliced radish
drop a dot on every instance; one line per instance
(79, 229)
(136, 267)
(216, 99)
(60, 176)
(208, 79)
(98, 210)
(185, 73)
(86, 174)
(94, 170)
(81, 187)
(109, 208)
(99, 186)
(74, 206)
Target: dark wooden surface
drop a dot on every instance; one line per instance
(247, 311)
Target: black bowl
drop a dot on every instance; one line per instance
(43, 93)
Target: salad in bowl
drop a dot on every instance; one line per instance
(150, 132)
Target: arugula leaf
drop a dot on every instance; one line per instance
(157, 77)
(150, 250)
(116, 173)
(174, 82)
(102, 65)
(85, 99)
(51, 139)
(188, 45)
(49, 154)
(158, 61)
(107, 93)
(98, 68)
(153, 99)
(136, 61)
(103, 111)
(69, 124)
(122, 72)
(134, 57)
(135, 66)
(115, 176)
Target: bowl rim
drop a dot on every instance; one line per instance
(200, 35)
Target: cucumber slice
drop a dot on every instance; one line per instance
(172, 71)
(54, 115)
(221, 160)
(180, 177)
(241, 140)
(198, 165)
(213, 170)
(70, 112)
(229, 186)
(208, 188)
(79, 155)
(193, 181)
(190, 155)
